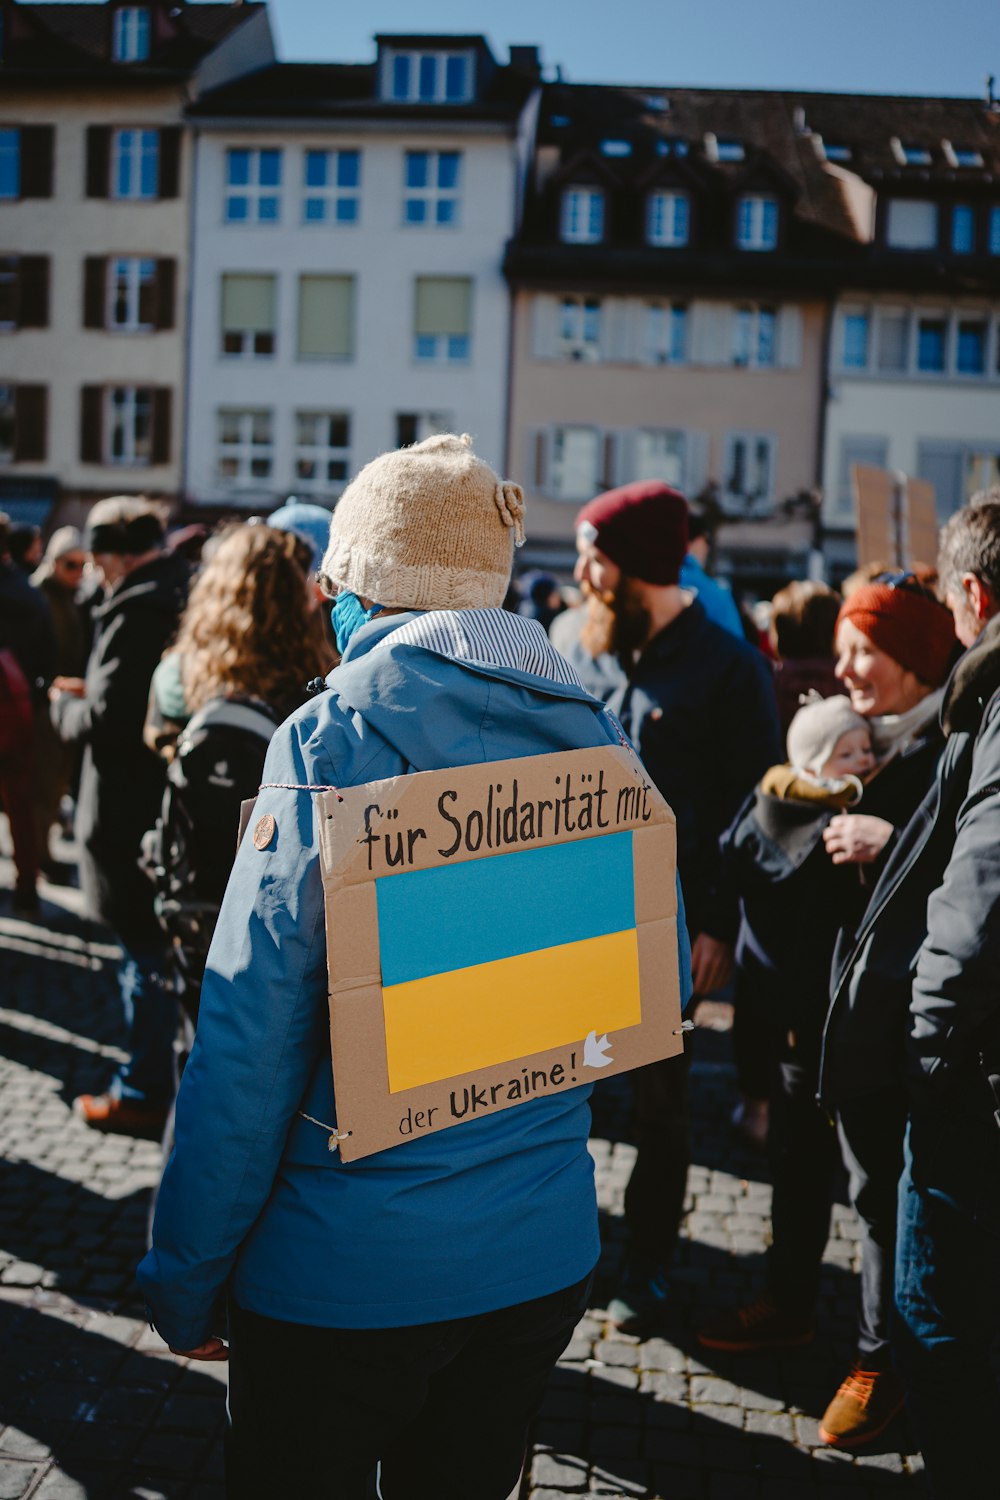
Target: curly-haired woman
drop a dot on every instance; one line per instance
(246, 647)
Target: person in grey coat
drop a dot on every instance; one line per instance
(121, 786)
(947, 1286)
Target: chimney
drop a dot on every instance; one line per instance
(799, 120)
(526, 62)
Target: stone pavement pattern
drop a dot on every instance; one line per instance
(92, 1404)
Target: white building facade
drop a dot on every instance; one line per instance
(347, 294)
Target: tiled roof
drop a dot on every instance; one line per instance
(75, 39)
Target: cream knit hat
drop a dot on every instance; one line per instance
(427, 527)
(816, 728)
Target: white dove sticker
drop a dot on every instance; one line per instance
(595, 1051)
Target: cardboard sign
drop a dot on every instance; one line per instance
(495, 933)
(896, 523)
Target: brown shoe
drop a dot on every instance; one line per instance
(124, 1116)
(762, 1324)
(862, 1409)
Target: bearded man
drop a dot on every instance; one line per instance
(699, 707)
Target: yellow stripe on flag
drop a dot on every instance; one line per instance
(455, 1023)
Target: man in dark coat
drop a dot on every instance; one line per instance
(698, 705)
(948, 1240)
(121, 786)
(26, 633)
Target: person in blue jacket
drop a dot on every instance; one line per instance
(404, 1309)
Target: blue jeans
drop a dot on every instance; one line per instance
(151, 1020)
(948, 1296)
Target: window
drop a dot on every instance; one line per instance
(967, 156)
(332, 180)
(582, 216)
(431, 77)
(963, 229)
(932, 343)
(912, 224)
(326, 317)
(580, 328)
(660, 455)
(413, 426)
(9, 297)
(574, 463)
(667, 219)
(616, 148)
(431, 187)
(245, 452)
(322, 450)
(129, 425)
(135, 164)
(253, 186)
(749, 472)
(836, 151)
(892, 342)
(130, 39)
(757, 223)
(854, 349)
(995, 231)
(7, 423)
(754, 337)
(970, 346)
(442, 318)
(131, 294)
(957, 471)
(10, 164)
(666, 333)
(248, 315)
(729, 150)
(914, 155)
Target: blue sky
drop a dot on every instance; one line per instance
(874, 46)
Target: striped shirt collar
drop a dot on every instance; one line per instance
(486, 637)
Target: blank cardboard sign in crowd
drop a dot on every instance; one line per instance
(495, 934)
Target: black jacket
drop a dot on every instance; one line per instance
(26, 628)
(953, 1034)
(793, 900)
(121, 783)
(699, 707)
(872, 986)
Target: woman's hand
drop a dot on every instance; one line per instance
(211, 1349)
(74, 686)
(711, 964)
(856, 838)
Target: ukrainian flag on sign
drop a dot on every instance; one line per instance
(493, 959)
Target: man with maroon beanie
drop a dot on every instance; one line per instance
(698, 705)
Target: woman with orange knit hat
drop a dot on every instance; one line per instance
(895, 643)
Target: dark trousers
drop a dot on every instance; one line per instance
(806, 1152)
(17, 790)
(444, 1408)
(948, 1297)
(654, 1198)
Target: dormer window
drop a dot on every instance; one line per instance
(668, 217)
(130, 34)
(836, 151)
(912, 224)
(730, 150)
(757, 222)
(430, 77)
(616, 148)
(967, 156)
(910, 153)
(581, 219)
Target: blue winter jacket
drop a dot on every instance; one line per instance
(490, 1213)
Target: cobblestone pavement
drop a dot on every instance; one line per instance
(92, 1404)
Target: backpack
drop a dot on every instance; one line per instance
(188, 855)
(16, 716)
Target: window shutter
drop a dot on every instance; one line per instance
(545, 324)
(326, 317)
(539, 458)
(790, 337)
(695, 462)
(609, 447)
(443, 305)
(33, 291)
(30, 410)
(614, 328)
(36, 160)
(710, 333)
(91, 424)
(170, 161)
(162, 410)
(98, 161)
(166, 278)
(94, 291)
(248, 304)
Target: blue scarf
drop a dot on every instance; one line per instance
(348, 616)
